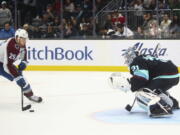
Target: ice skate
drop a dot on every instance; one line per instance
(29, 94)
(160, 110)
(35, 99)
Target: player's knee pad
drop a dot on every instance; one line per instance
(152, 103)
(20, 80)
(166, 99)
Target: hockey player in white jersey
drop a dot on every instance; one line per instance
(151, 79)
(12, 50)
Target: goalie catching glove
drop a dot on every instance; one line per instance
(119, 81)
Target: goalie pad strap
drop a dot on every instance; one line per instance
(145, 99)
(163, 96)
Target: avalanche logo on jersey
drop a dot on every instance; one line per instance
(12, 56)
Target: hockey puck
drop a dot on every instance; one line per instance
(31, 110)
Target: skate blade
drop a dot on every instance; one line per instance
(161, 116)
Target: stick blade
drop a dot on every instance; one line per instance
(26, 108)
(128, 108)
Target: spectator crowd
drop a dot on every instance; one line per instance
(76, 19)
(145, 19)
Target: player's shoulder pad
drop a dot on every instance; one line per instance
(138, 59)
(11, 43)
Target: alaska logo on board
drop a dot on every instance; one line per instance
(155, 51)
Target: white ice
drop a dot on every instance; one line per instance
(77, 103)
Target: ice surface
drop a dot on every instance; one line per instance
(77, 103)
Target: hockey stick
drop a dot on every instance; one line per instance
(129, 107)
(24, 108)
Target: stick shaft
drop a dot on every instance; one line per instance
(24, 108)
(22, 101)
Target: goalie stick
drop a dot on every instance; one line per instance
(24, 108)
(129, 107)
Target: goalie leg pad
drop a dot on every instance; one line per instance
(145, 99)
(160, 109)
(175, 103)
(153, 104)
(167, 99)
(170, 100)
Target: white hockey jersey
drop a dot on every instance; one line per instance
(9, 53)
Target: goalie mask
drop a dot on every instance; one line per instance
(129, 55)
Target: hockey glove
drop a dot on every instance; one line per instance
(119, 81)
(22, 66)
(21, 82)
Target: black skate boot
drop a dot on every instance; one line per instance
(32, 97)
(175, 103)
(160, 109)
